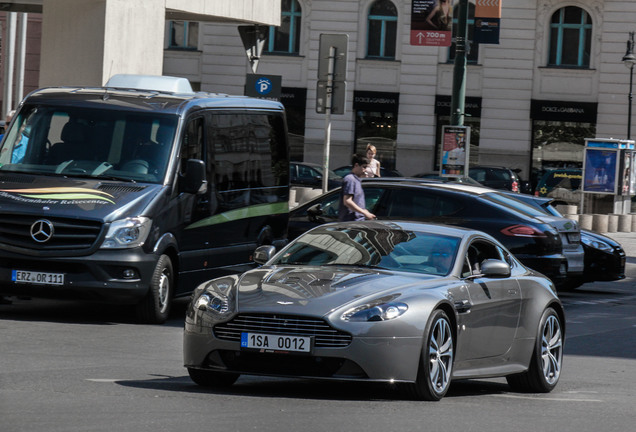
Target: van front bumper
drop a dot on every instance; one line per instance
(118, 276)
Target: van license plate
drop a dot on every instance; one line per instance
(275, 342)
(37, 278)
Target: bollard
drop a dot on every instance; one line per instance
(612, 223)
(599, 222)
(625, 222)
(574, 217)
(585, 221)
(293, 202)
(566, 209)
(633, 222)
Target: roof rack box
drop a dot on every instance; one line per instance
(150, 82)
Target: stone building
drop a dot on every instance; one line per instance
(555, 77)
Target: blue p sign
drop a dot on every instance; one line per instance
(263, 86)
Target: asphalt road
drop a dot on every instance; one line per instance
(76, 367)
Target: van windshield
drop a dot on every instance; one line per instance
(85, 142)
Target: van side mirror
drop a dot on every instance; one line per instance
(193, 181)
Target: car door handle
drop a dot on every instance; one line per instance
(463, 306)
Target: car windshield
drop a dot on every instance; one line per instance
(373, 245)
(83, 142)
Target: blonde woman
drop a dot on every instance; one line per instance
(373, 169)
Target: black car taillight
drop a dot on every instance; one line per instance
(522, 231)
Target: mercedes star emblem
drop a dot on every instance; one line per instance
(42, 230)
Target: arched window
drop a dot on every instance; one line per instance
(286, 38)
(382, 30)
(570, 38)
(472, 47)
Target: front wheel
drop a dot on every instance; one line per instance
(155, 306)
(436, 363)
(547, 359)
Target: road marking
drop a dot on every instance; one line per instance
(546, 399)
(103, 380)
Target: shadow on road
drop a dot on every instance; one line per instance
(311, 389)
(77, 312)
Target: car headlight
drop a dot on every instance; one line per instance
(217, 297)
(596, 244)
(127, 233)
(379, 310)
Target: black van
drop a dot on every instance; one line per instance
(137, 194)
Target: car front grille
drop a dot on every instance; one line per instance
(324, 335)
(70, 236)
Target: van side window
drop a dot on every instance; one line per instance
(192, 142)
(250, 156)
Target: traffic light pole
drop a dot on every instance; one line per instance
(459, 72)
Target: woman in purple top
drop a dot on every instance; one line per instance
(352, 205)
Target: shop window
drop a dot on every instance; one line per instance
(285, 39)
(380, 130)
(472, 47)
(382, 30)
(558, 144)
(183, 35)
(570, 38)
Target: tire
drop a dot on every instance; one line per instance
(155, 306)
(436, 361)
(212, 379)
(547, 358)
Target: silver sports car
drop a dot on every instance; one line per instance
(408, 303)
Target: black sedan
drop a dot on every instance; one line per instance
(534, 241)
(604, 257)
(310, 175)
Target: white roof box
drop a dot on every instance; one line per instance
(150, 82)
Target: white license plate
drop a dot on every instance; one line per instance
(275, 342)
(38, 278)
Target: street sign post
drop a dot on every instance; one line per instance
(331, 88)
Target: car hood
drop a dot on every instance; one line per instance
(91, 199)
(319, 290)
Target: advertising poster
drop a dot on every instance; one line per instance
(455, 145)
(487, 21)
(600, 169)
(431, 22)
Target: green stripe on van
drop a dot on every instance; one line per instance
(243, 213)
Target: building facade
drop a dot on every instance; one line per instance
(555, 78)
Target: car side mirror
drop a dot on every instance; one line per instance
(315, 210)
(264, 253)
(495, 268)
(193, 181)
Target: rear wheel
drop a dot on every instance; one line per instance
(436, 363)
(206, 378)
(155, 306)
(545, 366)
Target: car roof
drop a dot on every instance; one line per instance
(432, 183)
(144, 100)
(428, 227)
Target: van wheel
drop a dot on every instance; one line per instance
(155, 307)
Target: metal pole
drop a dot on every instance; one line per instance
(328, 101)
(9, 63)
(22, 40)
(459, 71)
(629, 107)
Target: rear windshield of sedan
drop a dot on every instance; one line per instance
(512, 203)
